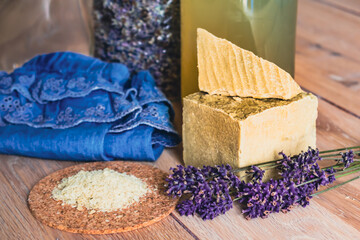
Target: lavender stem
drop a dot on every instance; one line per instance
(337, 154)
(346, 172)
(274, 163)
(336, 186)
(339, 149)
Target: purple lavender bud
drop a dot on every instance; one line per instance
(186, 207)
(331, 176)
(347, 158)
(257, 173)
(260, 199)
(207, 189)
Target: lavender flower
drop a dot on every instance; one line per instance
(216, 201)
(211, 191)
(347, 158)
(302, 168)
(301, 177)
(207, 189)
(185, 180)
(331, 171)
(257, 173)
(186, 207)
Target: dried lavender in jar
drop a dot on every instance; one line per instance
(142, 34)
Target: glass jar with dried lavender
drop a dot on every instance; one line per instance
(142, 34)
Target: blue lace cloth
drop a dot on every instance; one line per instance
(69, 106)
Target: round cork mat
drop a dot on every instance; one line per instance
(150, 209)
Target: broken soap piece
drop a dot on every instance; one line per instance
(229, 70)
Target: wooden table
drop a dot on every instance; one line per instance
(327, 64)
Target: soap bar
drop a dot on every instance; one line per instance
(246, 131)
(227, 69)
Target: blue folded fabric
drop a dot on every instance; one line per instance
(68, 106)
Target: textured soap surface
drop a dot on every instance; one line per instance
(227, 69)
(245, 131)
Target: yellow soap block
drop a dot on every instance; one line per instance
(246, 131)
(229, 70)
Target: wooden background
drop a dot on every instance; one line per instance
(327, 64)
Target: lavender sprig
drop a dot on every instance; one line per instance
(301, 176)
(207, 189)
(211, 191)
(335, 154)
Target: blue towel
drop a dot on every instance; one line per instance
(68, 106)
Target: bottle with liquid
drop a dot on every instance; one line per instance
(265, 27)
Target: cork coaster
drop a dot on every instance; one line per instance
(150, 209)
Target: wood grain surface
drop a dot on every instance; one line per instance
(327, 64)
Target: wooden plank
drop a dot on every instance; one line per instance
(326, 55)
(335, 129)
(319, 81)
(334, 67)
(313, 222)
(19, 174)
(343, 202)
(349, 6)
(330, 27)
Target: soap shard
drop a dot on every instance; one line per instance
(229, 70)
(223, 130)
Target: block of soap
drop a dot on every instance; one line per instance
(245, 131)
(227, 69)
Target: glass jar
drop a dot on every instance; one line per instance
(265, 27)
(143, 35)
(29, 28)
